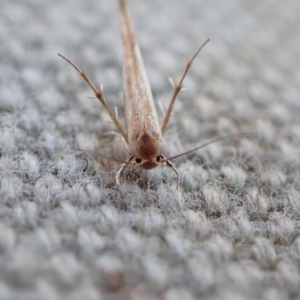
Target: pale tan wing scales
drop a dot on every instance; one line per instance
(139, 106)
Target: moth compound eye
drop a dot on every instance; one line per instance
(138, 160)
(158, 158)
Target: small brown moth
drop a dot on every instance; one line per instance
(144, 137)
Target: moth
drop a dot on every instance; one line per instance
(143, 138)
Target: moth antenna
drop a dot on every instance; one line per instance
(177, 88)
(237, 135)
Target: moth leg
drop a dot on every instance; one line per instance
(121, 170)
(171, 165)
(99, 94)
(125, 144)
(176, 89)
(161, 108)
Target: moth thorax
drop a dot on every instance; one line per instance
(147, 145)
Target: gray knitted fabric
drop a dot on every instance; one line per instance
(232, 229)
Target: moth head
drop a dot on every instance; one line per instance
(148, 164)
(147, 149)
